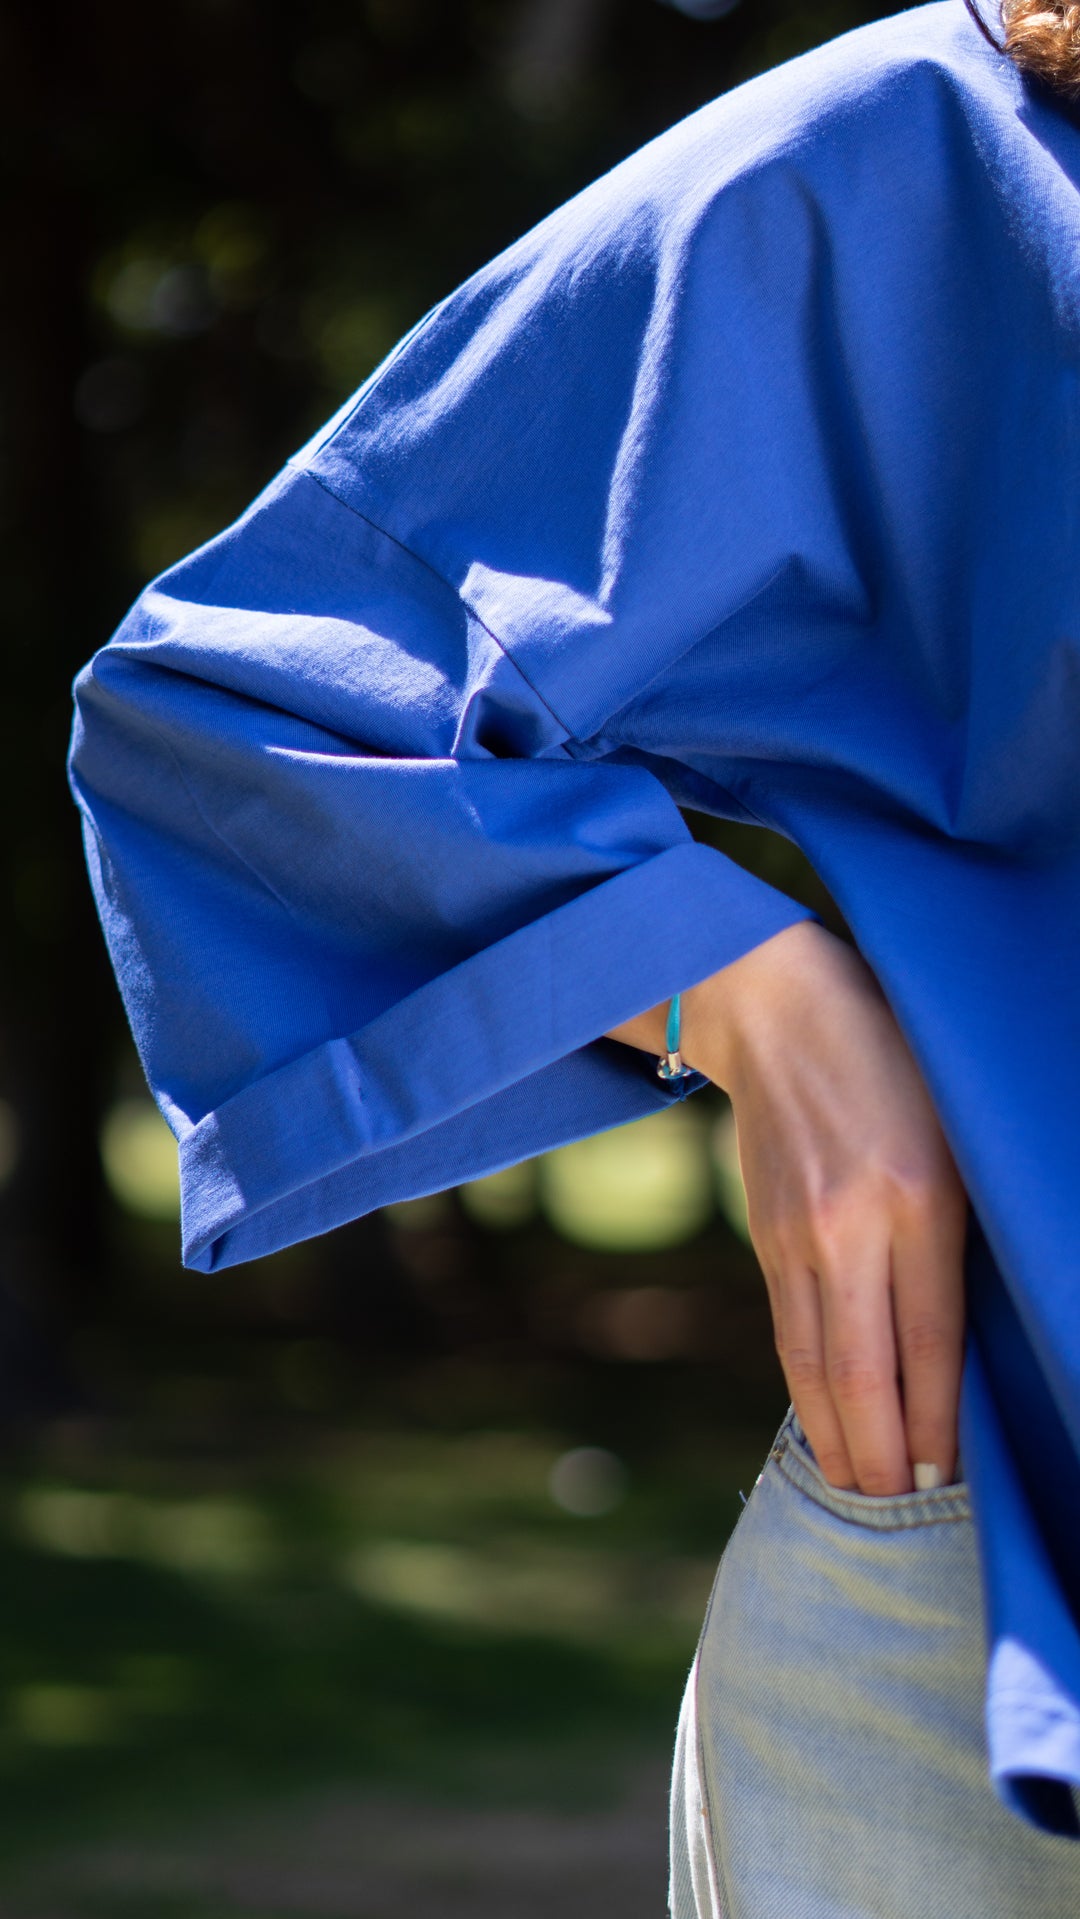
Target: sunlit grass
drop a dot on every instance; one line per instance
(220, 1536)
(560, 1592)
(496, 1617)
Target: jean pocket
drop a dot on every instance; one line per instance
(794, 1456)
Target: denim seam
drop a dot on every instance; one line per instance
(727, 1910)
(712, 1850)
(703, 1777)
(712, 1853)
(944, 1505)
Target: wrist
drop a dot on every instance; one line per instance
(728, 1018)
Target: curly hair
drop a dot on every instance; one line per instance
(1042, 37)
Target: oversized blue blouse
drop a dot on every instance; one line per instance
(750, 482)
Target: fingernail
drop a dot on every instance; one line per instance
(927, 1477)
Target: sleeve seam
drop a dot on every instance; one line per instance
(504, 649)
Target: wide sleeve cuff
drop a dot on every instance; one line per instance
(495, 1060)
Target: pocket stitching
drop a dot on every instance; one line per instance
(942, 1505)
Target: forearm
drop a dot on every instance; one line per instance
(856, 1208)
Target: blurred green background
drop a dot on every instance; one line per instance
(363, 1579)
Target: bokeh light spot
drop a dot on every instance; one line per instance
(638, 1323)
(588, 1482)
(233, 240)
(418, 1575)
(63, 1519)
(638, 1188)
(54, 1715)
(215, 1536)
(138, 1153)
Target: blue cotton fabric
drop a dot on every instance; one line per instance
(749, 481)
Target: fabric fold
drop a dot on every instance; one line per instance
(369, 911)
(512, 1024)
(706, 489)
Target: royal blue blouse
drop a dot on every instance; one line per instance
(750, 482)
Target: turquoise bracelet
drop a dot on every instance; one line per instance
(671, 1066)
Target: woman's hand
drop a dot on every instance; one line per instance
(856, 1209)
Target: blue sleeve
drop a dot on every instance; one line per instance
(374, 879)
(369, 915)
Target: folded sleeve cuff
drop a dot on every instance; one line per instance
(488, 1064)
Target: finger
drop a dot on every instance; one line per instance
(797, 1326)
(928, 1311)
(861, 1366)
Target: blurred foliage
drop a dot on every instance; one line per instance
(226, 215)
(221, 1574)
(178, 1646)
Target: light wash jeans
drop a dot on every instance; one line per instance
(830, 1760)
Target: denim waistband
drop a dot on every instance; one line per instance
(794, 1456)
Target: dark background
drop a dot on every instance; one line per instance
(219, 217)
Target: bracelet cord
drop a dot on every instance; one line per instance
(670, 1065)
